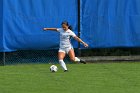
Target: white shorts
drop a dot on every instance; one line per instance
(65, 50)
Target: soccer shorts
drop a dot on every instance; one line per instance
(65, 50)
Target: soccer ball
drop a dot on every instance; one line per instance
(53, 68)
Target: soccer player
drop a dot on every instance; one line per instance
(65, 44)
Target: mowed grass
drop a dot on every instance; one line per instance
(89, 78)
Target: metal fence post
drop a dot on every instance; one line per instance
(79, 26)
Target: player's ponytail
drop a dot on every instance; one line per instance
(66, 23)
(70, 27)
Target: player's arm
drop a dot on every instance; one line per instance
(51, 29)
(81, 41)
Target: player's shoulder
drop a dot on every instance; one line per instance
(60, 29)
(70, 31)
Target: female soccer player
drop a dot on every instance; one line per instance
(65, 44)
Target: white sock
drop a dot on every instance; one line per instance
(77, 59)
(63, 65)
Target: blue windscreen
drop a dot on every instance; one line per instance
(24, 20)
(104, 23)
(110, 23)
(1, 25)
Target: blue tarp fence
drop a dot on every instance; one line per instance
(111, 23)
(103, 23)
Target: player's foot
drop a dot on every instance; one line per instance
(65, 70)
(82, 61)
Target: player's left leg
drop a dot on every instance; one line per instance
(73, 58)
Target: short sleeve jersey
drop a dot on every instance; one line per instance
(65, 37)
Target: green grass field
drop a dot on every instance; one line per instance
(89, 78)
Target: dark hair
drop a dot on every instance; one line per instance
(66, 23)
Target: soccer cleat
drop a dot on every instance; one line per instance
(65, 70)
(82, 61)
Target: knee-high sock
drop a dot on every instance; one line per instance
(63, 65)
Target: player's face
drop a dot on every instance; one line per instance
(65, 27)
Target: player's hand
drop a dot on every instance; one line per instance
(85, 45)
(45, 29)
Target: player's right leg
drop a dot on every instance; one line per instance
(61, 55)
(73, 58)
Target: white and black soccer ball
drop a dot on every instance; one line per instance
(53, 68)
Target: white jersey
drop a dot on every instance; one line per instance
(65, 37)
